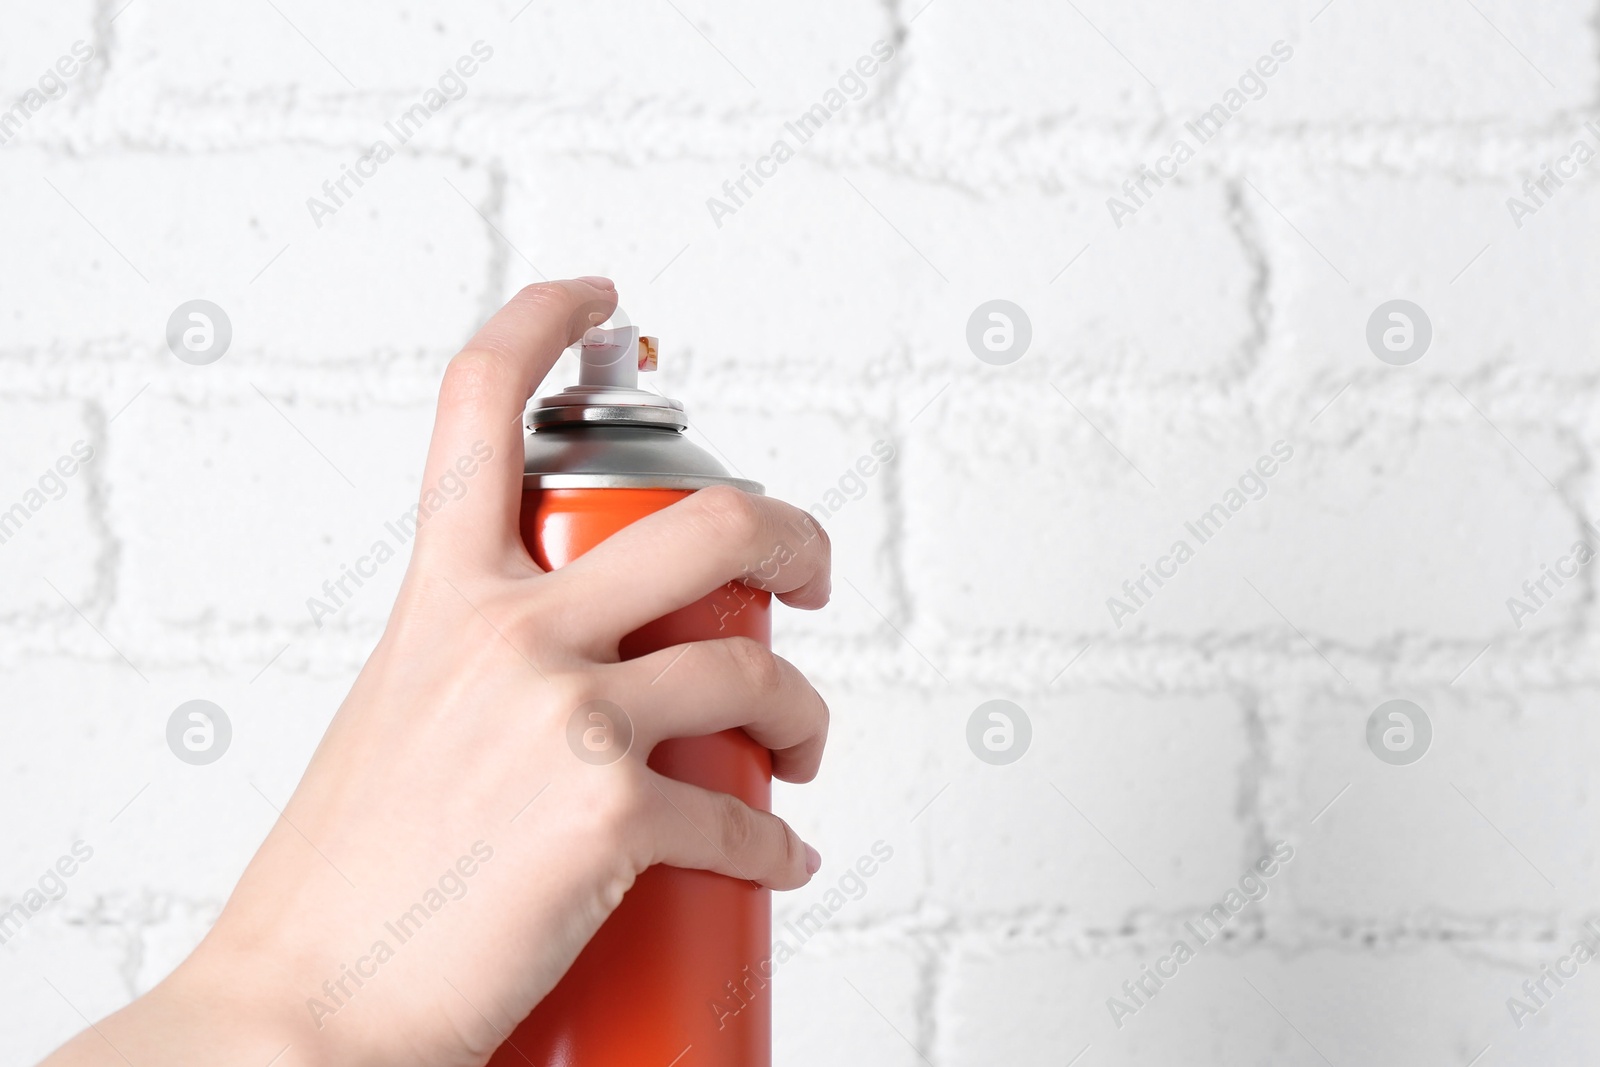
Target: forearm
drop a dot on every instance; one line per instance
(201, 1015)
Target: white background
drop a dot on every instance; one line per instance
(827, 313)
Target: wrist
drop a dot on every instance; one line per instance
(252, 999)
(290, 985)
(242, 1003)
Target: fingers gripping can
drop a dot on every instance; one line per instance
(680, 973)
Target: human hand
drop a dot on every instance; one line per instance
(424, 779)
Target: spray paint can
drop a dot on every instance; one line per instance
(680, 973)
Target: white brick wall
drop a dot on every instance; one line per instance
(827, 313)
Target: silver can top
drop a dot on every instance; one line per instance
(607, 433)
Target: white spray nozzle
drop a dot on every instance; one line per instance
(613, 358)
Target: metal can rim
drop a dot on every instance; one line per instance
(596, 480)
(614, 414)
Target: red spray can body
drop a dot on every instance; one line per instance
(680, 973)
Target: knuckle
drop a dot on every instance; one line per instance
(588, 714)
(811, 529)
(618, 813)
(757, 664)
(541, 295)
(552, 613)
(813, 538)
(737, 823)
(626, 802)
(732, 514)
(614, 795)
(569, 690)
(471, 378)
(793, 848)
(821, 531)
(792, 851)
(825, 543)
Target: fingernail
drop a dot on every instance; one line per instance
(600, 283)
(813, 860)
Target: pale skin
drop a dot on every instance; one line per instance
(456, 722)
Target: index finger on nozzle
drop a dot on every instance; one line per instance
(486, 389)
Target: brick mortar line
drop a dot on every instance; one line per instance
(1152, 668)
(1148, 127)
(1027, 927)
(986, 160)
(408, 381)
